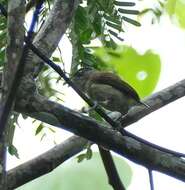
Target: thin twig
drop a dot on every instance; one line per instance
(151, 179)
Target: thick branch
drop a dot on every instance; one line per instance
(13, 53)
(44, 163)
(156, 101)
(51, 32)
(46, 40)
(62, 117)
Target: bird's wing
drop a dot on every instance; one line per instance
(116, 82)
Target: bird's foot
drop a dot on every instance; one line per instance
(89, 109)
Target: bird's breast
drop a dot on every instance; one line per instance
(109, 97)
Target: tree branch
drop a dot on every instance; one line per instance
(13, 54)
(62, 117)
(58, 120)
(51, 33)
(44, 163)
(110, 168)
(46, 33)
(155, 101)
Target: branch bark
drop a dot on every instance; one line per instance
(44, 163)
(13, 55)
(155, 101)
(62, 117)
(51, 32)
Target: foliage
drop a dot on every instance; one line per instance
(102, 20)
(176, 8)
(88, 174)
(13, 122)
(87, 155)
(43, 130)
(141, 71)
(46, 82)
(156, 10)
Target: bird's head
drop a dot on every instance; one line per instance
(82, 76)
(83, 72)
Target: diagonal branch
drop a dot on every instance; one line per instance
(62, 117)
(44, 163)
(156, 101)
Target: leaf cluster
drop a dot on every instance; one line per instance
(157, 11)
(99, 19)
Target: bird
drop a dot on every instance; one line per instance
(107, 89)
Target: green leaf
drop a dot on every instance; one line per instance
(85, 36)
(176, 8)
(140, 71)
(81, 157)
(89, 174)
(89, 153)
(56, 59)
(131, 21)
(13, 150)
(43, 136)
(88, 58)
(110, 44)
(39, 129)
(113, 25)
(127, 11)
(171, 6)
(115, 35)
(97, 24)
(113, 19)
(81, 19)
(52, 130)
(121, 3)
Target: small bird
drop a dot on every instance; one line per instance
(107, 89)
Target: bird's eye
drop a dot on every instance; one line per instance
(80, 72)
